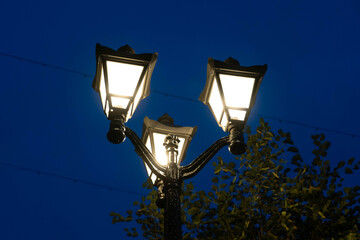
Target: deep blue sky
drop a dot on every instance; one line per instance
(52, 121)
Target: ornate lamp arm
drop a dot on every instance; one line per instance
(195, 166)
(145, 154)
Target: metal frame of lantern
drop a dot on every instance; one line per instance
(235, 127)
(230, 67)
(124, 55)
(121, 113)
(164, 126)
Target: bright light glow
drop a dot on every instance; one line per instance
(118, 102)
(102, 88)
(215, 101)
(149, 172)
(237, 90)
(237, 114)
(107, 108)
(138, 95)
(148, 144)
(160, 150)
(123, 78)
(128, 114)
(224, 121)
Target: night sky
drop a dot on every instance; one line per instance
(60, 177)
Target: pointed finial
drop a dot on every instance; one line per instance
(127, 49)
(232, 61)
(166, 119)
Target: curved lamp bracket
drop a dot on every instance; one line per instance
(145, 154)
(195, 166)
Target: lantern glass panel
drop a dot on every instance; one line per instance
(107, 108)
(215, 101)
(152, 176)
(237, 90)
(138, 95)
(123, 78)
(237, 114)
(102, 88)
(148, 144)
(118, 102)
(148, 170)
(224, 121)
(160, 150)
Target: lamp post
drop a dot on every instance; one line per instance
(122, 79)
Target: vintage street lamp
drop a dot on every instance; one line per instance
(230, 93)
(123, 78)
(154, 134)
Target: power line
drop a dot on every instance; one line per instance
(45, 64)
(310, 126)
(86, 75)
(39, 172)
(268, 117)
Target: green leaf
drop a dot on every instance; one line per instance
(321, 215)
(217, 169)
(350, 161)
(284, 225)
(225, 177)
(314, 137)
(223, 185)
(215, 179)
(190, 186)
(340, 164)
(293, 149)
(231, 165)
(234, 179)
(193, 211)
(322, 137)
(192, 197)
(277, 176)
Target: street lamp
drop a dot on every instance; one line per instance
(123, 78)
(230, 92)
(154, 134)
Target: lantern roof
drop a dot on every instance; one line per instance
(124, 53)
(165, 124)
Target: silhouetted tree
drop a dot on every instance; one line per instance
(267, 193)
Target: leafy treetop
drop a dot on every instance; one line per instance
(269, 192)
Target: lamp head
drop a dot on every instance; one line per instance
(230, 90)
(122, 79)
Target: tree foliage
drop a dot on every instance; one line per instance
(269, 192)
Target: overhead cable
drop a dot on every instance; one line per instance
(74, 180)
(86, 75)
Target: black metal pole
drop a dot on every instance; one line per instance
(172, 189)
